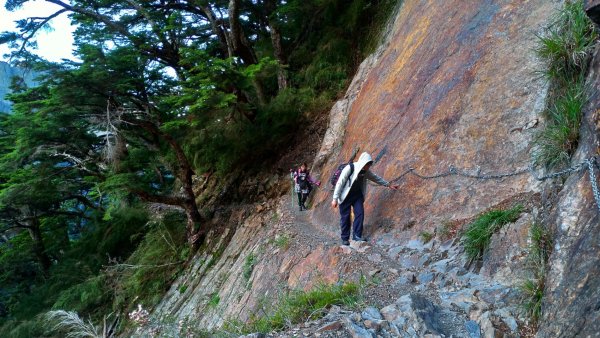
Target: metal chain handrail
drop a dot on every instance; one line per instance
(452, 170)
(595, 190)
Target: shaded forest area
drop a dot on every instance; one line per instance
(162, 91)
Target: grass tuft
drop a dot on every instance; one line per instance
(567, 44)
(565, 48)
(299, 306)
(477, 238)
(249, 264)
(532, 290)
(558, 140)
(214, 300)
(426, 236)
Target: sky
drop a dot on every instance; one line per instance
(52, 45)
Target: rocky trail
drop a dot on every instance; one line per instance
(412, 290)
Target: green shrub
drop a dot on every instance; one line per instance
(148, 272)
(477, 237)
(24, 329)
(87, 297)
(540, 245)
(299, 306)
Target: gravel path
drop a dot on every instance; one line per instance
(416, 289)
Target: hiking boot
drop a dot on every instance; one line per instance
(304, 207)
(358, 239)
(345, 242)
(300, 208)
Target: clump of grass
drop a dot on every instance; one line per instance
(532, 290)
(478, 235)
(299, 306)
(249, 266)
(566, 48)
(567, 43)
(426, 236)
(282, 242)
(214, 300)
(558, 140)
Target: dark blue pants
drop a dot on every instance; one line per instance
(355, 201)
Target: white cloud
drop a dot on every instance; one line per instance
(52, 45)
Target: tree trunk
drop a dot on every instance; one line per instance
(39, 249)
(194, 231)
(282, 78)
(241, 47)
(184, 173)
(225, 43)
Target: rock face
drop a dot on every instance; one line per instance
(6, 74)
(572, 297)
(429, 102)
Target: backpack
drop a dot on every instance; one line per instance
(336, 174)
(302, 180)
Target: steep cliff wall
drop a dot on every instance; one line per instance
(453, 87)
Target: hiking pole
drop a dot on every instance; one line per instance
(293, 187)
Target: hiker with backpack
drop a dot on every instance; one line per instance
(349, 193)
(303, 184)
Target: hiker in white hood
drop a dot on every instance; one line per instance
(350, 191)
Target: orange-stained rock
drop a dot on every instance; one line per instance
(320, 266)
(456, 85)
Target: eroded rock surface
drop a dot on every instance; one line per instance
(455, 86)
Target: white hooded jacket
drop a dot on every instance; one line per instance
(342, 188)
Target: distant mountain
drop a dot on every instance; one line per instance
(7, 72)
